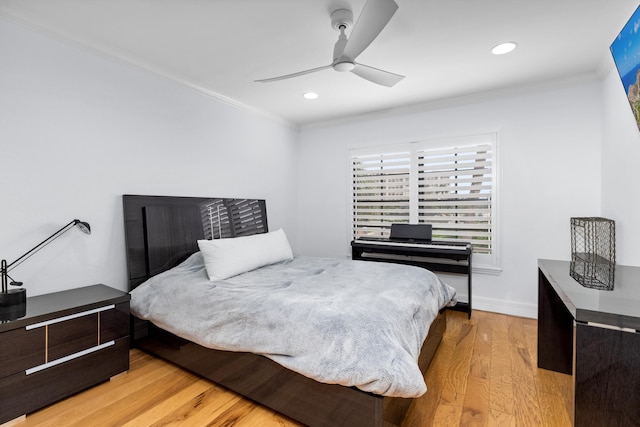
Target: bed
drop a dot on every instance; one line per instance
(162, 235)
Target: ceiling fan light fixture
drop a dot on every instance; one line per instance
(503, 48)
(344, 66)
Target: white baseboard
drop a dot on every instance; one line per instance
(506, 307)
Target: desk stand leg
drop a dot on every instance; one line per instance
(555, 330)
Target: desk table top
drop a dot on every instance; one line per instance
(619, 307)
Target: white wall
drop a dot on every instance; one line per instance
(77, 131)
(620, 179)
(550, 140)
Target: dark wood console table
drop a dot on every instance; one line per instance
(605, 338)
(446, 257)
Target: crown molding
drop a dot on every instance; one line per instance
(459, 101)
(118, 57)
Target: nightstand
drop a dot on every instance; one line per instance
(66, 342)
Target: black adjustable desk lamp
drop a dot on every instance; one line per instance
(12, 297)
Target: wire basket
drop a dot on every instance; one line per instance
(593, 252)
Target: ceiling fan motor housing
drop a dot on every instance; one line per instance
(341, 18)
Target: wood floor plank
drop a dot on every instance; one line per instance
(168, 406)
(120, 411)
(553, 410)
(501, 380)
(475, 409)
(459, 366)
(500, 419)
(525, 391)
(483, 374)
(526, 405)
(262, 417)
(517, 334)
(201, 409)
(447, 415)
(481, 357)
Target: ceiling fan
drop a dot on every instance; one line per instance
(374, 17)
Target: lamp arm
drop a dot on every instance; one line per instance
(39, 246)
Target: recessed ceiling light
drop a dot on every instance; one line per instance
(503, 48)
(310, 95)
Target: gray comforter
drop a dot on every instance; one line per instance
(354, 323)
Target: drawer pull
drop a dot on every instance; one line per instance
(615, 328)
(69, 317)
(69, 357)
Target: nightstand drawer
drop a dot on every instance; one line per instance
(114, 324)
(72, 336)
(21, 393)
(21, 349)
(67, 335)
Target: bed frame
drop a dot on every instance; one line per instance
(162, 231)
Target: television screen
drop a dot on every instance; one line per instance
(626, 55)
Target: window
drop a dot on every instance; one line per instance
(381, 193)
(448, 183)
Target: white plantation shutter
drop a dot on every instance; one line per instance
(455, 189)
(380, 192)
(448, 183)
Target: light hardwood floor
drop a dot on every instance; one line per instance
(484, 374)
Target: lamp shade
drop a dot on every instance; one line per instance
(83, 226)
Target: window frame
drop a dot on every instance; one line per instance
(483, 263)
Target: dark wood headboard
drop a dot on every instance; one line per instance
(162, 231)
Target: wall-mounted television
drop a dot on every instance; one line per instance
(626, 55)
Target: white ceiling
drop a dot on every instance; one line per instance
(442, 46)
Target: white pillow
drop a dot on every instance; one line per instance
(224, 258)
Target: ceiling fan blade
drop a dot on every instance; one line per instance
(375, 75)
(288, 76)
(374, 17)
